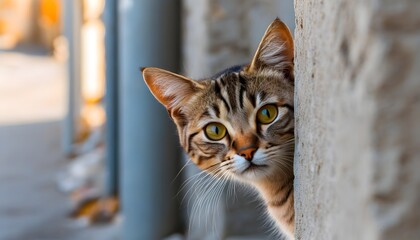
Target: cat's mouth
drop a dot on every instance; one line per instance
(254, 167)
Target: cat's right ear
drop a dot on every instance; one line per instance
(275, 50)
(170, 89)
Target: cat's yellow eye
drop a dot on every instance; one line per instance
(215, 131)
(267, 114)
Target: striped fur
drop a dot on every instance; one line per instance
(233, 99)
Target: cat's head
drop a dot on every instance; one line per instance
(240, 122)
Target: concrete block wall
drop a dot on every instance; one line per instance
(357, 119)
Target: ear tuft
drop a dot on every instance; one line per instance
(275, 50)
(169, 88)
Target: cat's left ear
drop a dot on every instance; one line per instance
(170, 89)
(275, 50)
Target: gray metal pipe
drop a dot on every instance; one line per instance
(111, 97)
(148, 35)
(71, 24)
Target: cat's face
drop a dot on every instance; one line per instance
(243, 122)
(240, 122)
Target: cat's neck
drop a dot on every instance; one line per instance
(279, 198)
(271, 188)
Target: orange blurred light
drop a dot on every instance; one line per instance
(93, 63)
(94, 115)
(50, 11)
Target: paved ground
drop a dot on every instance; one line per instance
(31, 88)
(32, 101)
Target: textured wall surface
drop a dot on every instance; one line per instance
(218, 34)
(358, 96)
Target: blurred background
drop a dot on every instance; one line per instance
(85, 151)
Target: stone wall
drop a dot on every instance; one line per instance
(357, 119)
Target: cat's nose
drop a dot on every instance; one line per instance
(248, 153)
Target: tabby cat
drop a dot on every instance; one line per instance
(241, 122)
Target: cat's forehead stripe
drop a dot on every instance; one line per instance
(232, 88)
(262, 95)
(242, 88)
(216, 110)
(218, 93)
(230, 91)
